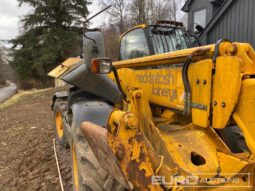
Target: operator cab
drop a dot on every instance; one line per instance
(163, 37)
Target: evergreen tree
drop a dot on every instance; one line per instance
(51, 33)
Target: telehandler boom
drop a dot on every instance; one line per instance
(170, 115)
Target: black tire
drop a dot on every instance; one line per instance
(91, 176)
(59, 107)
(234, 139)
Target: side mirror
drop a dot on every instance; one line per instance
(101, 65)
(93, 46)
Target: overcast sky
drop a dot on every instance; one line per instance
(10, 14)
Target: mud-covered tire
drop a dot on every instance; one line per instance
(91, 176)
(58, 123)
(234, 139)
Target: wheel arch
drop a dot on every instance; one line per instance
(58, 95)
(94, 111)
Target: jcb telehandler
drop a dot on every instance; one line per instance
(170, 115)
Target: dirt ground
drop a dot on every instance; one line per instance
(27, 159)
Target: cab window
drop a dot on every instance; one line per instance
(168, 39)
(134, 45)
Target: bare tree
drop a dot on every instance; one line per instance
(111, 39)
(2, 79)
(117, 13)
(137, 11)
(6, 71)
(161, 10)
(176, 9)
(125, 14)
(149, 11)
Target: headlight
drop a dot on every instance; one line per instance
(101, 65)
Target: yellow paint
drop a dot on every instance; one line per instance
(220, 82)
(163, 86)
(200, 75)
(129, 138)
(136, 27)
(59, 124)
(247, 54)
(176, 146)
(236, 164)
(181, 144)
(226, 88)
(169, 58)
(75, 169)
(67, 65)
(245, 113)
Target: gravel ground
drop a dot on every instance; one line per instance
(26, 150)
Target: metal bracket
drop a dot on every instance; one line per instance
(199, 106)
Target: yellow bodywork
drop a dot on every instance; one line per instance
(244, 113)
(176, 147)
(158, 145)
(66, 66)
(59, 124)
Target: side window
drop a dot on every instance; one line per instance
(134, 45)
(200, 18)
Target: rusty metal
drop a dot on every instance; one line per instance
(128, 144)
(138, 95)
(121, 152)
(131, 121)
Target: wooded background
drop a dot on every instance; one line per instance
(53, 30)
(126, 14)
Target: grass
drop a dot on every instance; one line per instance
(14, 99)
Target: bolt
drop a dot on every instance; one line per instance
(245, 178)
(223, 104)
(198, 81)
(215, 103)
(131, 122)
(138, 95)
(233, 49)
(204, 82)
(121, 153)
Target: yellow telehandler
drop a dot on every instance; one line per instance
(169, 115)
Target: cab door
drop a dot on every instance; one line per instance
(134, 44)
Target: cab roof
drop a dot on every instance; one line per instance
(158, 23)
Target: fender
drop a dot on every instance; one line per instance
(87, 110)
(58, 95)
(94, 111)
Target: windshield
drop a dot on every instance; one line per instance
(168, 39)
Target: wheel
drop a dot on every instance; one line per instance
(59, 125)
(234, 139)
(87, 174)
